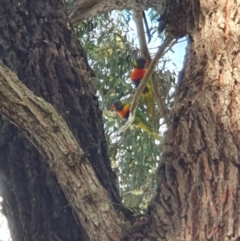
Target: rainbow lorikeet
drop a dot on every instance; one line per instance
(138, 72)
(123, 110)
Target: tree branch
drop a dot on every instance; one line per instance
(143, 82)
(144, 50)
(47, 130)
(86, 9)
(141, 34)
(177, 17)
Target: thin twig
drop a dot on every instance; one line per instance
(143, 82)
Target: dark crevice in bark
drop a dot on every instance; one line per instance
(34, 204)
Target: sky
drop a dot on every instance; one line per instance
(178, 55)
(4, 231)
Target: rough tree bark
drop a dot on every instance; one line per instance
(37, 45)
(198, 178)
(46, 129)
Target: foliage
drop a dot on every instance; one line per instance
(111, 43)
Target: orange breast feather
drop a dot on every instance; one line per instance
(124, 112)
(137, 74)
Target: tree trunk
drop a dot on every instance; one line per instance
(36, 43)
(198, 178)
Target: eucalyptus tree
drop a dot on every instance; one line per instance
(60, 186)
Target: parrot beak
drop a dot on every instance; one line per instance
(146, 63)
(135, 64)
(113, 107)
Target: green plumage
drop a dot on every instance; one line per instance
(140, 121)
(140, 118)
(148, 99)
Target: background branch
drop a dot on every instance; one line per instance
(141, 34)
